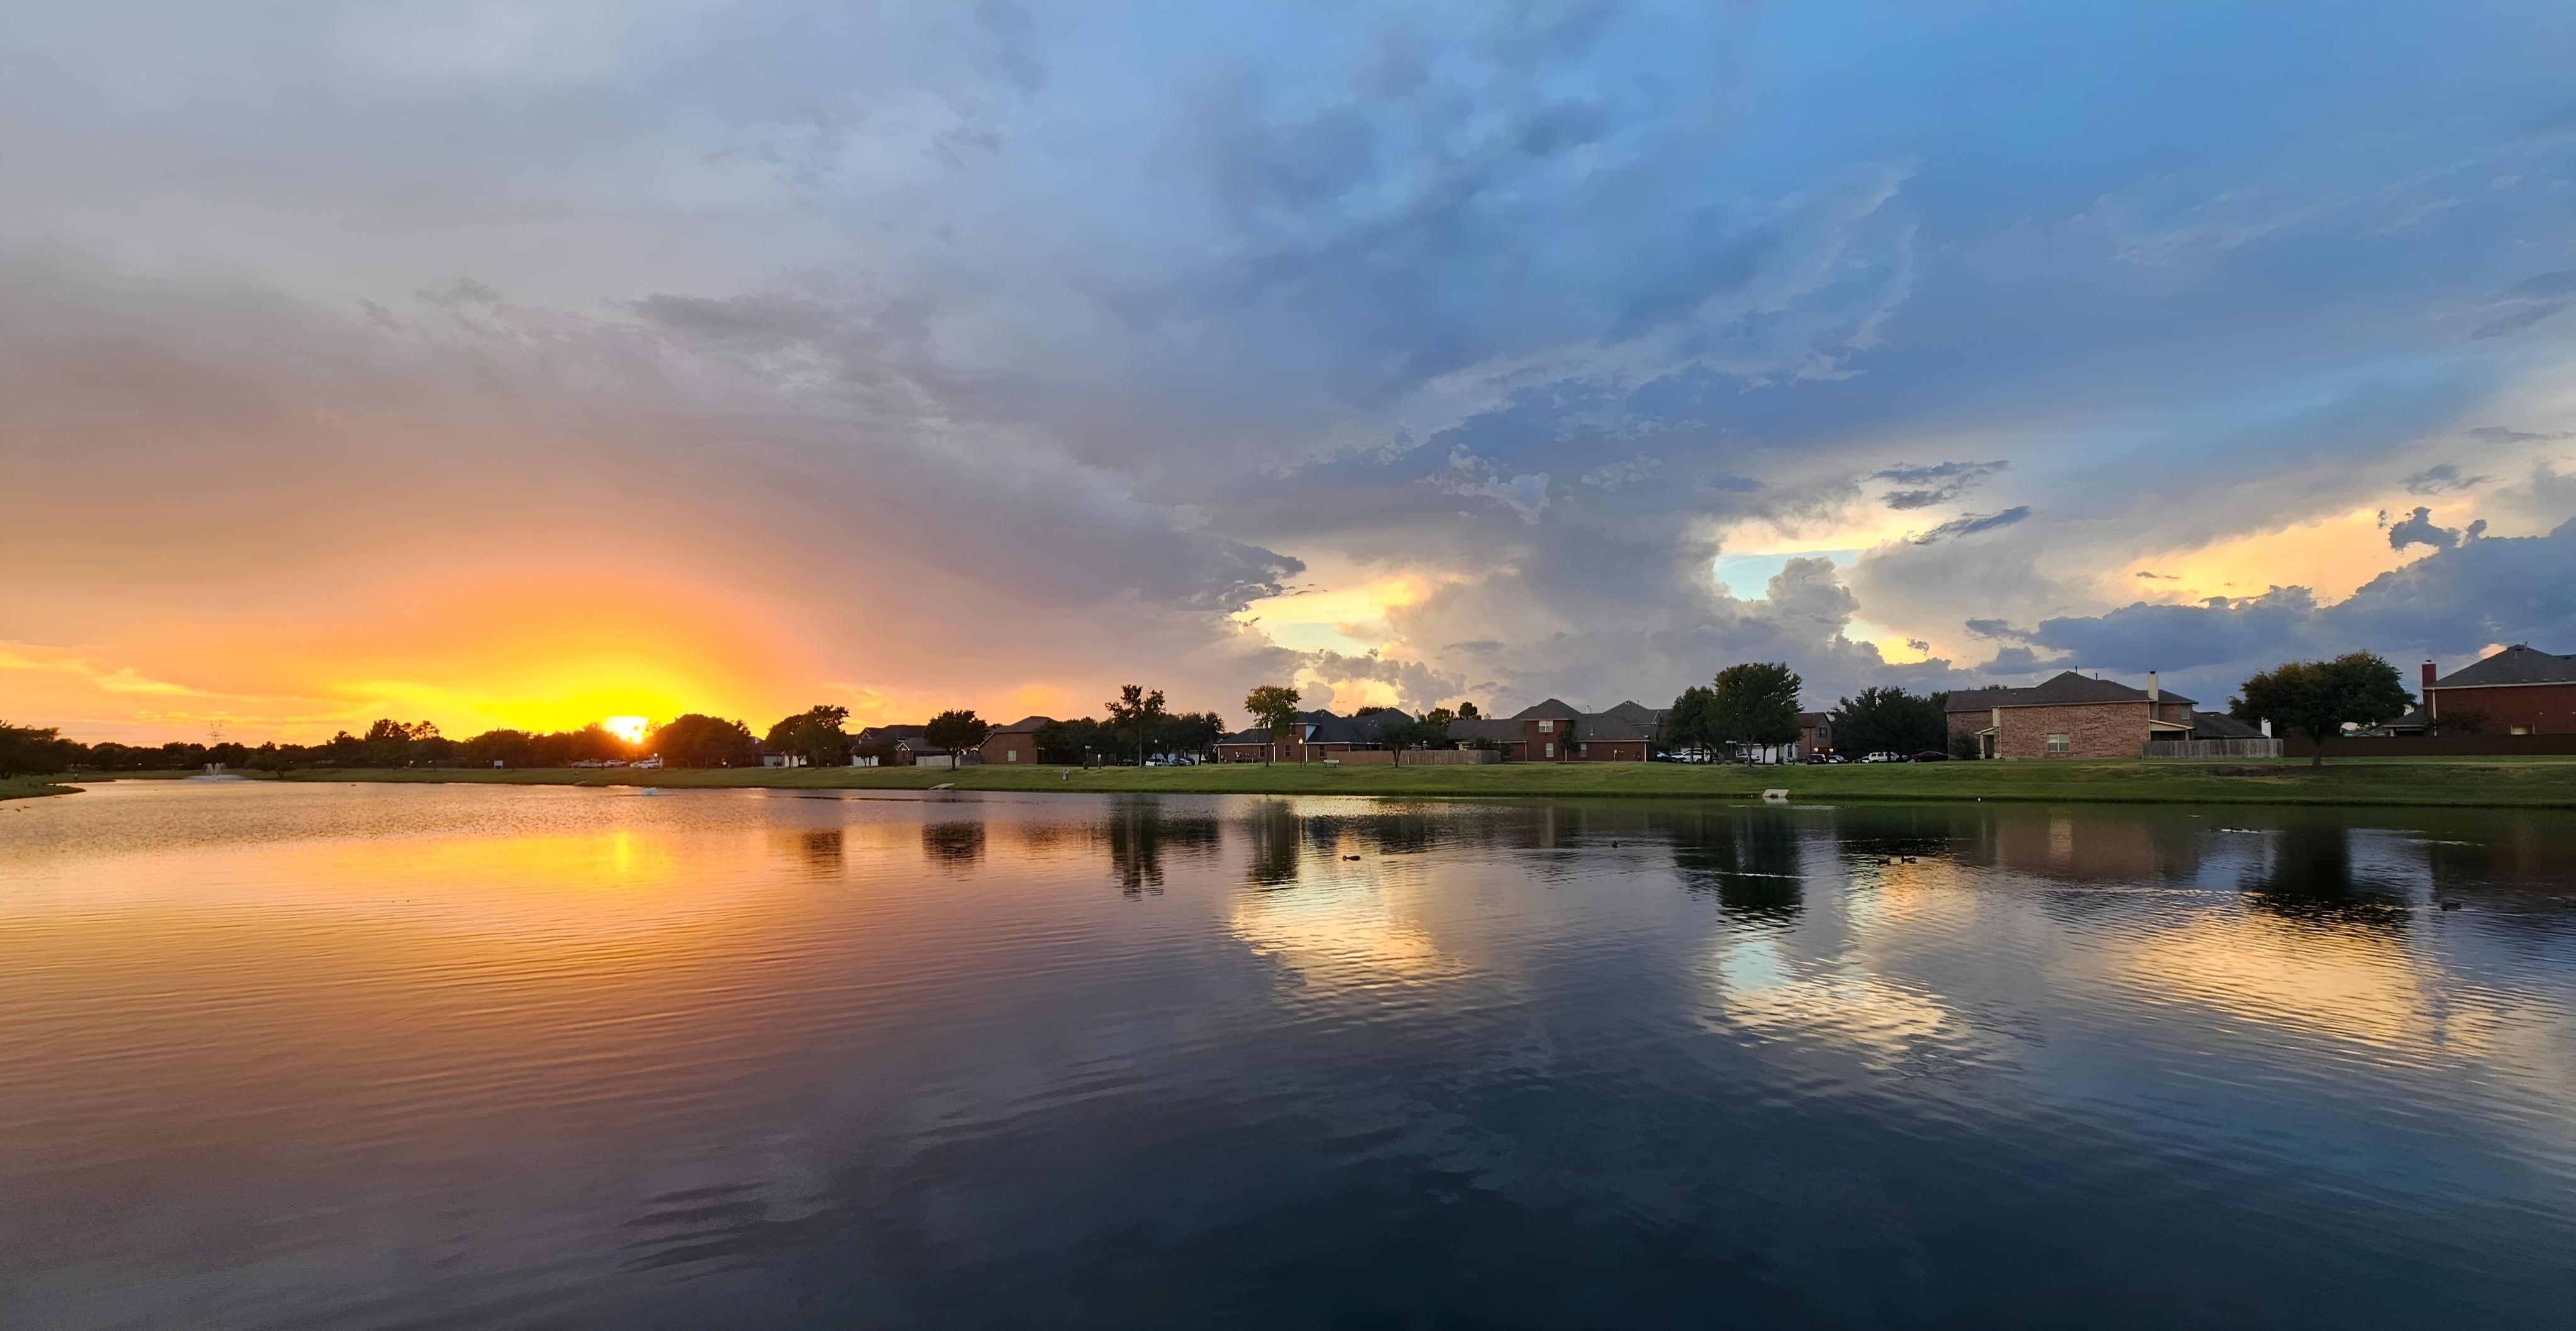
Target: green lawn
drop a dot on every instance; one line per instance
(2479, 782)
(29, 787)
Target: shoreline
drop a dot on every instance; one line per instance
(2513, 783)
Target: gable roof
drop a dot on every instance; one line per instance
(2067, 688)
(1027, 725)
(1554, 709)
(1495, 728)
(1612, 726)
(1635, 711)
(2518, 664)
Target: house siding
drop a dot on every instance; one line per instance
(2093, 730)
(2543, 709)
(1013, 748)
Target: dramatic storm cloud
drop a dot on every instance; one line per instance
(528, 362)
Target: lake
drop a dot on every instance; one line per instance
(375, 1056)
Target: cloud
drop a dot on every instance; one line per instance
(2442, 478)
(1974, 523)
(2497, 434)
(2528, 302)
(1936, 484)
(2447, 605)
(2417, 529)
(809, 343)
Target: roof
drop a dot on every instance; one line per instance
(2518, 664)
(1612, 726)
(1256, 735)
(1813, 719)
(1027, 725)
(1494, 728)
(1636, 711)
(2219, 725)
(889, 734)
(1330, 729)
(2065, 690)
(1554, 709)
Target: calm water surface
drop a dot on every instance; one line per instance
(389, 1056)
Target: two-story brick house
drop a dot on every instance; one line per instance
(2071, 716)
(1014, 743)
(2519, 691)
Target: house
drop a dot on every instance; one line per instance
(1014, 743)
(1554, 731)
(1815, 733)
(2070, 716)
(2517, 691)
(1317, 735)
(903, 746)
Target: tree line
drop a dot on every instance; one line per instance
(1139, 725)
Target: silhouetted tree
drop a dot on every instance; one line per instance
(814, 735)
(1693, 721)
(956, 732)
(1138, 717)
(1757, 703)
(30, 751)
(1274, 708)
(2316, 698)
(696, 740)
(1891, 720)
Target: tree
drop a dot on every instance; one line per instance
(1692, 723)
(1274, 707)
(956, 732)
(1430, 730)
(1757, 703)
(1891, 720)
(2318, 698)
(813, 735)
(1195, 733)
(694, 740)
(1467, 712)
(29, 751)
(1138, 717)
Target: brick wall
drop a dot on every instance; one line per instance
(2545, 709)
(998, 748)
(2094, 730)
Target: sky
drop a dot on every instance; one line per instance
(525, 362)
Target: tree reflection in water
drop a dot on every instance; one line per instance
(1747, 858)
(958, 844)
(2308, 875)
(1276, 836)
(1139, 833)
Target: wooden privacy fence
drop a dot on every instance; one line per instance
(2435, 746)
(2213, 748)
(1419, 757)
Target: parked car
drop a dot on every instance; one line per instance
(1824, 759)
(1883, 756)
(1930, 756)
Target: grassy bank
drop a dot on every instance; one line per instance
(29, 787)
(2471, 782)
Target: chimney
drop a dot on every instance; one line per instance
(2429, 709)
(2153, 693)
(2267, 728)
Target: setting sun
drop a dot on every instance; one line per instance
(628, 728)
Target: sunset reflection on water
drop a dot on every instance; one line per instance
(339, 1056)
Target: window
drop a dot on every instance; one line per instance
(1546, 726)
(2061, 744)
(1551, 748)
(1010, 755)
